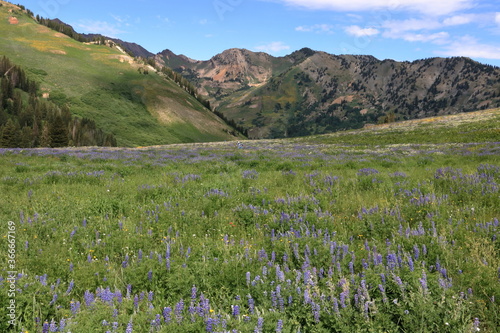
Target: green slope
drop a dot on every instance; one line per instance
(104, 84)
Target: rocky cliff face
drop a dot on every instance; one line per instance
(309, 92)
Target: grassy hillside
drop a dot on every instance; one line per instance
(106, 85)
(478, 126)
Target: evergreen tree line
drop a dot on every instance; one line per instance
(27, 121)
(191, 89)
(183, 83)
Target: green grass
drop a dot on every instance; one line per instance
(349, 232)
(480, 126)
(97, 82)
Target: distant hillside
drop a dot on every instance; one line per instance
(122, 96)
(311, 92)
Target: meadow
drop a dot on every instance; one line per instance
(305, 235)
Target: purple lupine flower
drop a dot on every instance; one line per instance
(106, 295)
(343, 296)
(193, 293)
(274, 299)
(167, 314)
(260, 323)
(139, 255)
(62, 325)
(88, 297)
(336, 305)
(118, 296)
(248, 277)
(43, 279)
(157, 321)
(307, 297)
(416, 252)
(316, 308)
(279, 326)
(84, 222)
(236, 310)
(53, 326)
(136, 301)
(129, 327)
(475, 325)
(366, 308)
(179, 307)
(150, 296)
(54, 299)
(129, 290)
(75, 307)
(192, 312)
(150, 275)
(251, 304)
(423, 282)
(209, 325)
(410, 264)
(70, 287)
(125, 262)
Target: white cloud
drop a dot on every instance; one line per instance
(119, 18)
(357, 31)
(318, 28)
(428, 7)
(497, 18)
(99, 27)
(399, 26)
(273, 47)
(436, 38)
(468, 46)
(458, 20)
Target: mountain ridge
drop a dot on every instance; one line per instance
(313, 92)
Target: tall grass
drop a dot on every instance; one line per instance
(275, 237)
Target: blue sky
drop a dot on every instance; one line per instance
(387, 29)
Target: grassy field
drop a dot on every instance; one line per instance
(104, 84)
(326, 234)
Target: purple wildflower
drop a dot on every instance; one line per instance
(279, 326)
(167, 314)
(88, 297)
(236, 310)
(75, 307)
(129, 327)
(260, 323)
(179, 308)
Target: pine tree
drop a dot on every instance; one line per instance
(45, 137)
(26, 138)
(58, 133)
(10, 135)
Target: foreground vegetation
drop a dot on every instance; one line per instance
(278, 236)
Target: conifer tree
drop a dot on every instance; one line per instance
(58, 133)
(10, 135)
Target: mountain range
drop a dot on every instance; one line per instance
(122, 86)
(313, 92)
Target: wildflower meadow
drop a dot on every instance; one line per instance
(272, 236)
